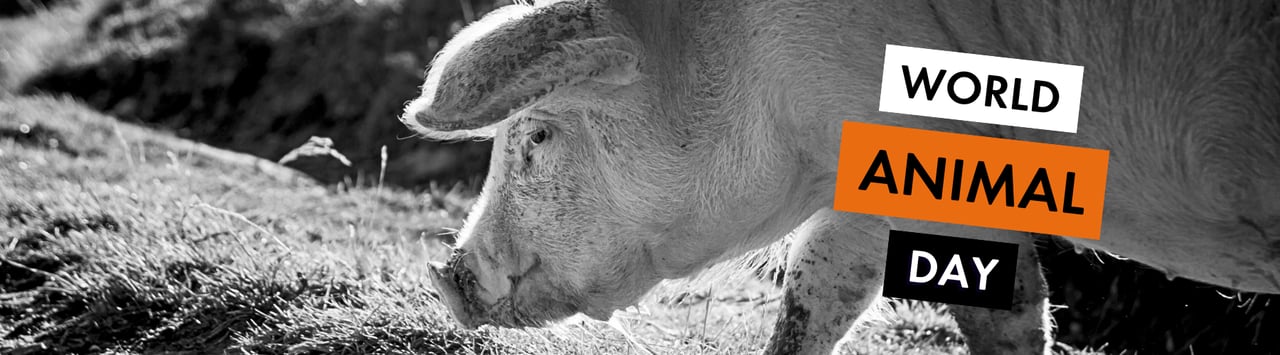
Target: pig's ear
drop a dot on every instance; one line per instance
(516, 55)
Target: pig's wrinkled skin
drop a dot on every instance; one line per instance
(642, 141)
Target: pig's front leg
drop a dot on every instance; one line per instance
(834, 273)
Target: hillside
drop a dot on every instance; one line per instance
(256, 76)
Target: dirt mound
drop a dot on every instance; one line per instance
(262, 77)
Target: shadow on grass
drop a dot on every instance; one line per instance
(1118, 304)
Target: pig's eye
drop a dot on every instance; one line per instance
(539, 135)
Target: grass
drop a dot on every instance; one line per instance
(126, 240)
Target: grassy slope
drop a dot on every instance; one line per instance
(117, 238)
(121, 237)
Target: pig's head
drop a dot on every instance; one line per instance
(590, 201)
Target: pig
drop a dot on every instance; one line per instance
(636, 142)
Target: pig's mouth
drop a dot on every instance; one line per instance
(459, 287)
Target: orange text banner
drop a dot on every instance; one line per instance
(971, 180)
